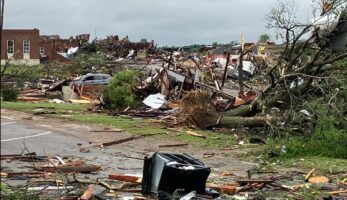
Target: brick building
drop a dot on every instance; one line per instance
(27, 47)
(51, 46)
(20, 46)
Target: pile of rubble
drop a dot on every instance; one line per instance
(164, 176)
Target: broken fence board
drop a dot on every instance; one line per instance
(226, 189)
(88, 193)
(125, 178)
(28, 174)
(195, 134)
(309, 174)
(173, 145)
(337, 192)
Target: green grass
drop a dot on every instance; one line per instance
(329, 138)
(213, 140)
(135, 126)
(144, 126)
(323, 165)
(30, 106)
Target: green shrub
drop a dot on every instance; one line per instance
(118, 94)
(9, 94)
(329, 138)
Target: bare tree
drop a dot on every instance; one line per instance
(307, 48)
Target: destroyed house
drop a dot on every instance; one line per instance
(20, 46)
(114, 47)
(51, 46)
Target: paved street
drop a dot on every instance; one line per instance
(16, 135)
(60, 137)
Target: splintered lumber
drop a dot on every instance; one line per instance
(121, 141)
(88, 193)
(337, 192)
(125, 178)
(309, 174)
(29, 99)
(225, 189)
(26, 157)
(219, 92)
(27, 174)
(173, 145)
(318, 180)
(208, 155)
(82, 149)
(195, 134)
(68, 168)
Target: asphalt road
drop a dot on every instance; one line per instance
(60, 137)
(16, 135)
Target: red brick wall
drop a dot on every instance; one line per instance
(57, 45)
(18, 35)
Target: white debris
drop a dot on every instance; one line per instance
(305, 112)
(154, 101)
(56, 101)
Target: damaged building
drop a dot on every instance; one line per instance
(28, 47)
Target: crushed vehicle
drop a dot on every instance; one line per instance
(91, 84)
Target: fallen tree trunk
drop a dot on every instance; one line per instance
(245, 111)
(232, 122)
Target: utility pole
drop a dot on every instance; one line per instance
(2, 3)
(240, 67)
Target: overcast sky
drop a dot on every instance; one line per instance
(167, 22)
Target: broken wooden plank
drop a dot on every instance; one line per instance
(88, 193)
(25, 157)
(82, 149)
(173, 145)
(337, 192)
(121, 141)
(208, 155)
(27, 174)
(309, 174)
(195, 134)
(225, 189)
(125, 178)
(318, 180)
(219, 92)
(30, 99)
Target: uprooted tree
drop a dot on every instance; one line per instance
(309, 50)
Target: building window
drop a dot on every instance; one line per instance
(26, 46)
(10, 46)
(42, 50)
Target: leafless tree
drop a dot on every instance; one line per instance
(306, 49)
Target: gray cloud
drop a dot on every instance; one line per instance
(168, 22)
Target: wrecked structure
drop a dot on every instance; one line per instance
(114, 47)
(55, 49)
